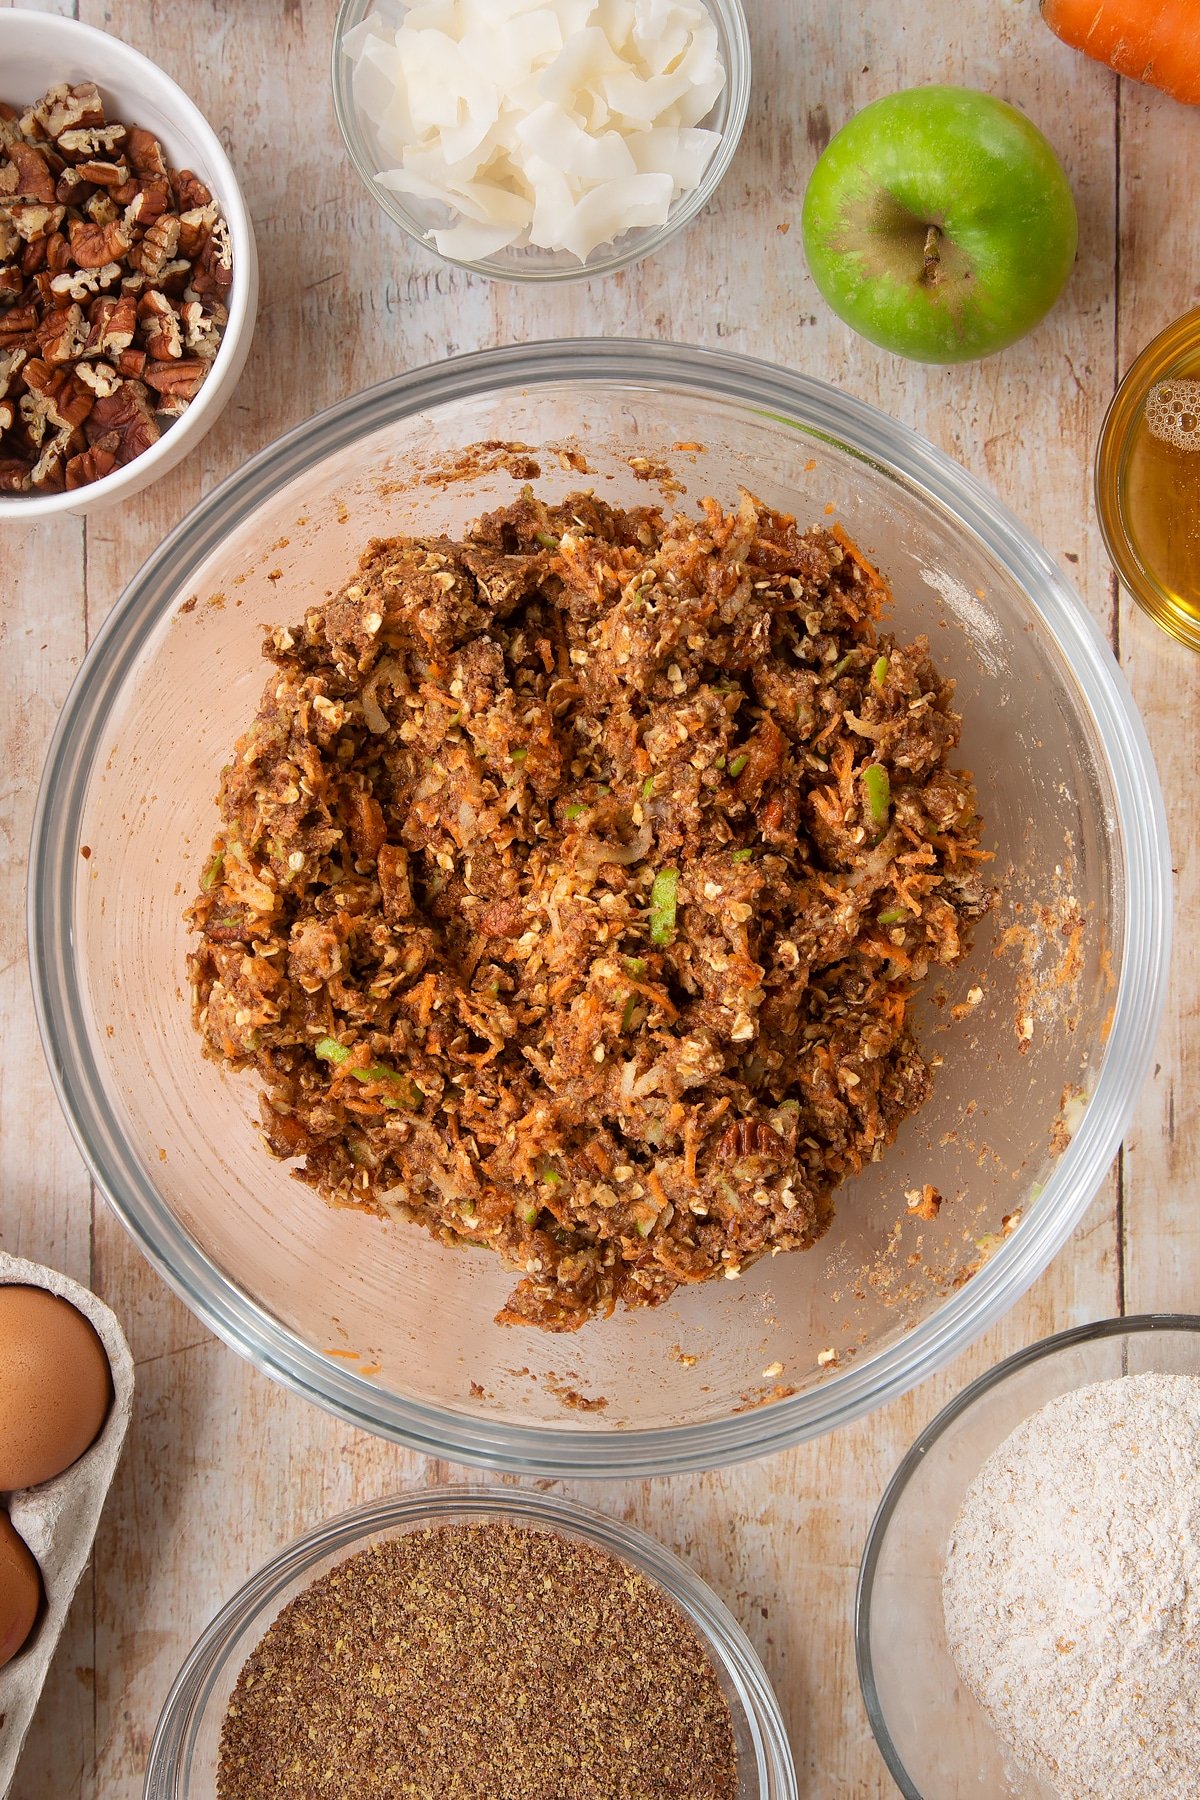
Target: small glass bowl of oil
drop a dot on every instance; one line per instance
(1148, 479)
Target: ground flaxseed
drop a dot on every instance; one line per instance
(479, 1662)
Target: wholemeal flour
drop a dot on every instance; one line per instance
(1072, 1590)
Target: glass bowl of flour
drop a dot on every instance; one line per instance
(1033, 1551)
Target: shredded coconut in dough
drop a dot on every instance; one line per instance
(1072, 1590)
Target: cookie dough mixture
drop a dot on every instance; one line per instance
(572, 885)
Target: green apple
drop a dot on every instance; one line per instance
(940, 224)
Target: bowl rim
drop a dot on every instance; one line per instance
(185, 432)
(1133, 1325)
(726, 1640)
(633, 244)
(798, 402)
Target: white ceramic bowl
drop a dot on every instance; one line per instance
(38, 49)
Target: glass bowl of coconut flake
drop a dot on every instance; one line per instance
(1026, 1621)
(541, 140)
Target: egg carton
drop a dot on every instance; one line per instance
(58, 1519)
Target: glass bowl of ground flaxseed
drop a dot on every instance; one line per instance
(1028, 1620)
(472, 1642)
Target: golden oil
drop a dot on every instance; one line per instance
(1148, 479)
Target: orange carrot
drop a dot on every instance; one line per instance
(1157, 41)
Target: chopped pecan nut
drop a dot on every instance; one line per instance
(94, 246)
(9, 235)
(65, 108)
(48, 471)
(78, 284)
(67, 398)
(63, 334)
(132, 363)
(102, 209)
(14, 476)
(35, 180)
(12, 282)
(11, 363)
(195, 228)
(18, 327)
(34, 219)
(122, 422)
(113, 322)
(158, 247)
(159, 325)
(150, 202)
(202, 334)
(218, 253)
(90, 142)
(173, 277)
(101, 377)
(67, 188)
(103, 174)
(177, 381)
(34, 409)
(89, 465)
(190, 191)
(145, 153)
(32, 260)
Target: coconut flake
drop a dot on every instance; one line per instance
(559, 124)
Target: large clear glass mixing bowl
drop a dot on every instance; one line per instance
(1043, 1033)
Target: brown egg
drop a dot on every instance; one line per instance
(20, 1591)
(55, 1386)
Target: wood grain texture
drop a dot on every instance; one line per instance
(222, 1467)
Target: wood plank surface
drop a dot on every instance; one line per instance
(222, 1466)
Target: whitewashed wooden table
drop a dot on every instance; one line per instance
(222, 1467)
